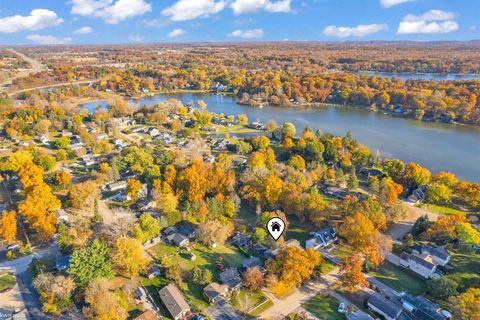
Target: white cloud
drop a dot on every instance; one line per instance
(254, 33)
(83, 30)
(391, 3)
(111, 12)
(135, 38)
(176, 33)
(184, 10)
(431, 22)
(44, 40)
(249, 6)
(361, 30)
(38, 19)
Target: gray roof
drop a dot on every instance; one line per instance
(230, 277)
(251, 262)
(172, 299)
(388, 307)
(213, 290)
(422, 262)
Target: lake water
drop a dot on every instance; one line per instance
(436, 146)
(426, 76)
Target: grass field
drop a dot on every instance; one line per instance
(341, 251)
(399, 279)
(466, 269)
(324, 308)
(255, 302)
(7, 281)
(441, 209)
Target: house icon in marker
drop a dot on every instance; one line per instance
(275, 226)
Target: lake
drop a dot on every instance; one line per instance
(426, 76)
(436, 146)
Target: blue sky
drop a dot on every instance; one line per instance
(136, 21)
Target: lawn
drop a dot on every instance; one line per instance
(342, 251)
(206, 258)
(324, 308)
(465, 269)
(326, 267)
(254, 302)
(399, 279)
(298, 230)
(442, 210)
(7, 281)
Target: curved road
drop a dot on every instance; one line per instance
(35, 67)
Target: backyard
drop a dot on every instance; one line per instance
(399, 278)
(7, 281)
(253, 303)
(324, 308)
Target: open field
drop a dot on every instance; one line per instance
(7, 281)
(324, 308)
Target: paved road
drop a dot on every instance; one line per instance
(222, 310)
(62, 84)
(283, 308)
(20, 265)
(36, 67)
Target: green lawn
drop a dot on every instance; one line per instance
(246, 215)
(441, 209)
(298, 230)
(466, 269)
(324, 308)
(342, 251)
(399, 278)
(206, 258)
(7, 281)
(326, 267)
(255, 302)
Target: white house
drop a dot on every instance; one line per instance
(423, 267)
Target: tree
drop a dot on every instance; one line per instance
(294, 265)
(352, 182)
(55, 292)
(297, 162)
(253, 279)
(102, 302)
(194, 181)
(466, 305)
(133, 189)
(82, 195)
(467, 234)
(63, 179)
(260, 142)
(351, 273)
(165, 199)
(272, 189)
(202, 276)
(8, 226)
(146, 228)
(61, 143)
(416, 176)
(242, 119)
(438, 193)
(90, 263)
(129, 256)
(389, 191)
(213, 231)
(288, 130)
(421, 225)
(358, 230)
(243, 147)
(442, 288)
(46, 161)
(174, 272)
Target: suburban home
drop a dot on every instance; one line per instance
(231, 278)
(250, 263)
(148, 315)
(418, 195)
(422, 308)
(439, 255)
(290, 243)
(386, 308)
(116, 186)
(421, 266)
(178, 240)
(335, 192)
(215, 291)
(369, 172)
(240, 240)
(174, 302)
(153, 132)
(153, 271)
(321, 238)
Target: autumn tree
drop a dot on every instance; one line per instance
(8, 226)
(466, 305)
(146, 228)
(63, 179)
(351, 273)
(416, 176)
(253, 279)
(129, 256)
(133, 189)
(213, 231)
(102, 302)
(55, 292)
(194, 181)
(82, 195)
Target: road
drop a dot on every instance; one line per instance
(62, 84)
(283, 308)
(35, 67)
(20, 265)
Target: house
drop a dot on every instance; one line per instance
(116, 186)
(250, 263)
(321, 238)
(369, 172)
(62, 216)
(214, 292)
(240, 240)
(439, 255)
(418, 195)
(421, 308)
(388, 309)
(101, 137)
(153, 132)
(62, 263)
(148, 315)
(153, 272)
(231, 278)
(178, 240)
(419, 265)
(335, 192)
(272, 253)
(174, 302)
(138, 129)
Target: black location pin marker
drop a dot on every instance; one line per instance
(275, 228)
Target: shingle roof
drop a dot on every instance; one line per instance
(213, 290)
(422, 262)
(388, 307)
(172, 299)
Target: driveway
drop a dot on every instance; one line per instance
(20, 265)
(222, 310)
